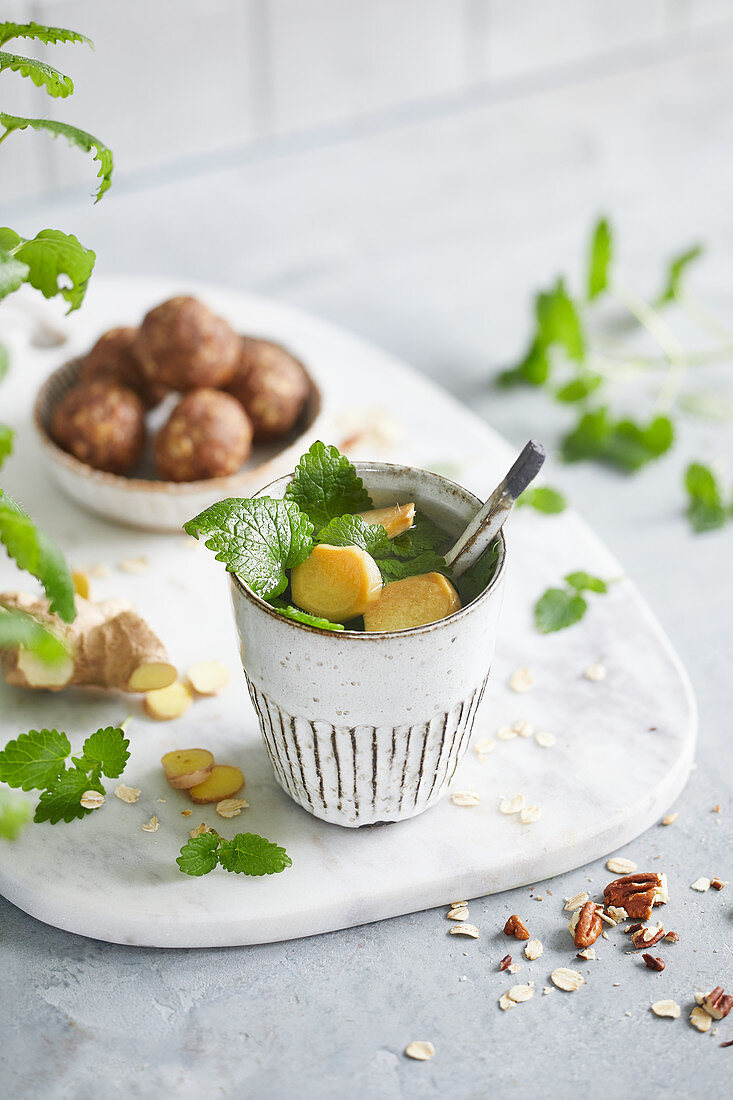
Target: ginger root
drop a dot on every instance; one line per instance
(336, 582)
(185, 768)
(169, 702)
(208, 677)
(223, 781)
(414, 601)
(110, 646)
(396, 520)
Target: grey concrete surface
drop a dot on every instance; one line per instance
(428, 236)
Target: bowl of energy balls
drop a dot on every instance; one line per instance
(157, 422)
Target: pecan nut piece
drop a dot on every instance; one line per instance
(647, 937)
(505, 962)
(588, 926)
(516, 927)
(637, 894)
(652, 962)
(717, 1003)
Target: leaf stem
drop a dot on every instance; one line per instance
(660, 331)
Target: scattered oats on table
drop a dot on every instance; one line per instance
(666, 1008)
(200, 830)
(127, 794)
(484, 746)
(528, 815)
(565, 978)
(523, 727)
(91, 800)
(420, 1050)
(701, 885)
(545, 740)
(151, 826)
(513, 968)
(533, 949)
(620, 866)
(521, 993)
(186, 813)
(511, 805)
(577, 901)
(505, 1002)
(506, 733)
(464, 930)
(595, 672)
(521, 680)
(99, 570)
(465, 798)
(670, 819)
(231, 807)
(457, 912)
(700, 1019)
(587, 953)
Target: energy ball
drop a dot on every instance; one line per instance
(101, 423)
(113, 357)
(208, 435)
(271, 385)
(185, 346)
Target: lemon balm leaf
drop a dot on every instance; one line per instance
(199, 855)
(250, 854)
(557, 609)
(106, 751)
(75, 136)
(18, 628)
(676, 273)
(599, 262)
(44, 76)
(57, 264)
(34, 760)
(543, 499)
(299, 616)
(36, 553)
(256, 539)
(705, 508)
(15, 813)
(50, 36)
(355, 531)
(325, 485)
(62, 800)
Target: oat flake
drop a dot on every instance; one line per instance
(587, 953)
(465, 798)
(200, 830)
(460, 913)
(545, 740)
(621, 866)
(421, 1050)
(529, 815)
(577, 901)
(513, 968)
(670, 819)
(91, 800)
(231, 807)
(505, 1002)
(666, 1008)
(133, 565)
(595, 672)
(484, 746)
(565, 978)
(521, 680)
(511, 805)
(523, 727)
(505, 733)
(533, 949)
(127, 794)
(701, 885)
(151, 826)
(464, 930)
(700, 1019)
(520, 993)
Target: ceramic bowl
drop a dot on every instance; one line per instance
(365, 728)
(148, 502)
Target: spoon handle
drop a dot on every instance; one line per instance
(489, 520)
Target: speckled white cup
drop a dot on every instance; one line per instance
(363, 728)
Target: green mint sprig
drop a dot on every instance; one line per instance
(706, 509)
(245, 854)
(39, 760)
(559, 608)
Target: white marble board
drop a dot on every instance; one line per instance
(624, 745)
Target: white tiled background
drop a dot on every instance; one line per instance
(174, 84)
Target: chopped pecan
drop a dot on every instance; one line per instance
(652, 962)
(637, 894)
(717, 883)
(672, 937)
(588, 926)
(516, 927)
(647, 937)
(717, 1003)
(505, 962)
(728, 1044)
(633, 928)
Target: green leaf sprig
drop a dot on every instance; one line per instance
(244, 854)
(558, 608)
(706, 509)
(574, 361)
(39, 760)
(543, 499)
(53, 262)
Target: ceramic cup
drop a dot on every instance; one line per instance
(364, 728)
